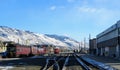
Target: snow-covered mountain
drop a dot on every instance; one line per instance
(30, 38)
(69, 41)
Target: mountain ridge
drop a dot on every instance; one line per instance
(29, 38)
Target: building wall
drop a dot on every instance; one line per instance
(108, 36)
(108, 41)
(112, 51)
(93, 46)
(107, 31)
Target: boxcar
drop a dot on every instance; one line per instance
(22, 50)
(34, 50)
(56, 50)
(41, 51)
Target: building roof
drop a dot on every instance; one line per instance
(113, 27)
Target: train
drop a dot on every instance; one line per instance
(11, 49)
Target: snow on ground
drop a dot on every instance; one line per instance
(11, 59)
(38, 57)
(98, 64)
(6, 67)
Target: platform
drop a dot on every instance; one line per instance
(107, 60)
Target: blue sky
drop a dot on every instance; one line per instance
(74, 18)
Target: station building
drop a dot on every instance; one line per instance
(108, 42)
(93, 46)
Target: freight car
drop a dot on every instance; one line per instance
(56, 50)
(16, 50)
(41, 51)
(34, 50)
(38, 50)
(50, 49)
(22, 50)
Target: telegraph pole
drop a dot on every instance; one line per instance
(79, 46)
(84, 44)
(89, 36)
(89, 43)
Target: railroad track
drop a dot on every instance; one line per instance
(86, 64)
(54, 63)
(65, 63)
(75, 63)
(70, 62)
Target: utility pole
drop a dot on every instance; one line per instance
(89, 43)
(79, 46)
(89, 36)
(84, 44)
(18, 41)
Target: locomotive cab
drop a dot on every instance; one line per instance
(11, 50)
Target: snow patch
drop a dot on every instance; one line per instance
(6, 67)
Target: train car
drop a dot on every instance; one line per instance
(56, 50)
(49, 49)
(22, 50)
(41, 51)
(34, 50)
(46, 49)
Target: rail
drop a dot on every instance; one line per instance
(83, 64)
(49, 66)
(66, 61)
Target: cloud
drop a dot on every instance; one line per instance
(101, 1)
(66, 35)
(98, 16)
(89, 9)
(56, 7)
(53, 8)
